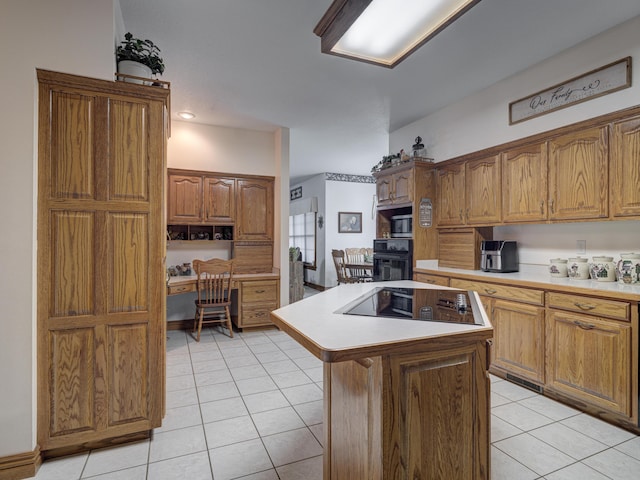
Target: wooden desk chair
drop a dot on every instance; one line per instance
(214, 293)
(341, 270)
(357, 255)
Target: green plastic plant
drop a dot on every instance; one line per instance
(141, 51)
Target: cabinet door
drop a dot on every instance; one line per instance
(524, 184)
(589, 359)
(383, 190)
(403, 187)
(450, 191)
(518, 339)
(483, 193)
(219, 200)
(578, 175)
(101, 300)
(254, 212)
(625, 168)
(184, 199)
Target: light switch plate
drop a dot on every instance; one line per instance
(581, 246)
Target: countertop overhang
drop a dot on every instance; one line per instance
(336, 337)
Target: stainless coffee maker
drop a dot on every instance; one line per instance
(499, 256)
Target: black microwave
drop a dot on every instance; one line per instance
(402, 226)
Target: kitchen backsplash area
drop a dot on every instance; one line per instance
(537, 244)
(180, 252)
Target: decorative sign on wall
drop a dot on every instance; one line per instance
(608, 79)
(295, 193)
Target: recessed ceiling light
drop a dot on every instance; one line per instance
(384, 32)
(186, 115)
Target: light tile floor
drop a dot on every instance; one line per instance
(251, 407)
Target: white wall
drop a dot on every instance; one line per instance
(333, 197)
(195, 146)
(346, 197)
(481, 120)
(44, 34)
(315, 187)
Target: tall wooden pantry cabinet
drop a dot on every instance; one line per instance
(101, 273)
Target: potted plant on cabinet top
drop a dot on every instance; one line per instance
(140, 58)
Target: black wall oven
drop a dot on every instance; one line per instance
(392, 259)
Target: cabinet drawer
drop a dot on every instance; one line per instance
(432, 279)
(257, 314)
(259, 291)
(175, 289)
(589, 305)
(517, 294)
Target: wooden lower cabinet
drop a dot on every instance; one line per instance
(431, 279)
(518, 339)
(589, 358)
(256, 300)
(421, 415)
(580, 349)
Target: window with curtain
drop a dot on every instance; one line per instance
(302, 234)
(302, 228)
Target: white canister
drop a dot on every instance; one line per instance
(603, 269)
(558, 267)
(578, 268)
(628, 268)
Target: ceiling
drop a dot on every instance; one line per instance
(256, 64)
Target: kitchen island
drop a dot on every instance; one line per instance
(402, 398)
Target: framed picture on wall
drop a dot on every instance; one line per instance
(349, 222)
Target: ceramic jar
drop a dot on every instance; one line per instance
(558, 267)
(578, 268)
(603, 269)
(628, 268)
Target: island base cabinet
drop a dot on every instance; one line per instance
(411, 416)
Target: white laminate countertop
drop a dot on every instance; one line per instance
(536, 274)
(329, 335)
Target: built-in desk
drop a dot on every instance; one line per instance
(402, 398)
(258, 295)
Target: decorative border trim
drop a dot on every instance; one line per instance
(343, 177)
(21, 465)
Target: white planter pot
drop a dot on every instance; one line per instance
(136, 69)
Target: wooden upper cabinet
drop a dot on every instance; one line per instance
(219, 200)
(624, 168)
(483, 194)
(395, 188)
(578, 175)
(469, 192)
(450, 188)
(254, 209)
(200, 198)
(184, 199)
(524, 184)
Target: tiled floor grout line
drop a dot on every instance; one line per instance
(278, 389)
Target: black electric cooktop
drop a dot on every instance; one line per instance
(420, 304)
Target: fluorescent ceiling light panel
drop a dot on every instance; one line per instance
(385, 32)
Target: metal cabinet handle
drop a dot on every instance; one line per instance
(260, 291)
(467, 215)
(584, 306)
(584, 326)
(542, 207)
(461, 218)
(553, 210)
(490, 291)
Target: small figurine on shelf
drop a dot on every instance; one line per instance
(418, 149)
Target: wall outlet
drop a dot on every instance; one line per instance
(581, 246)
